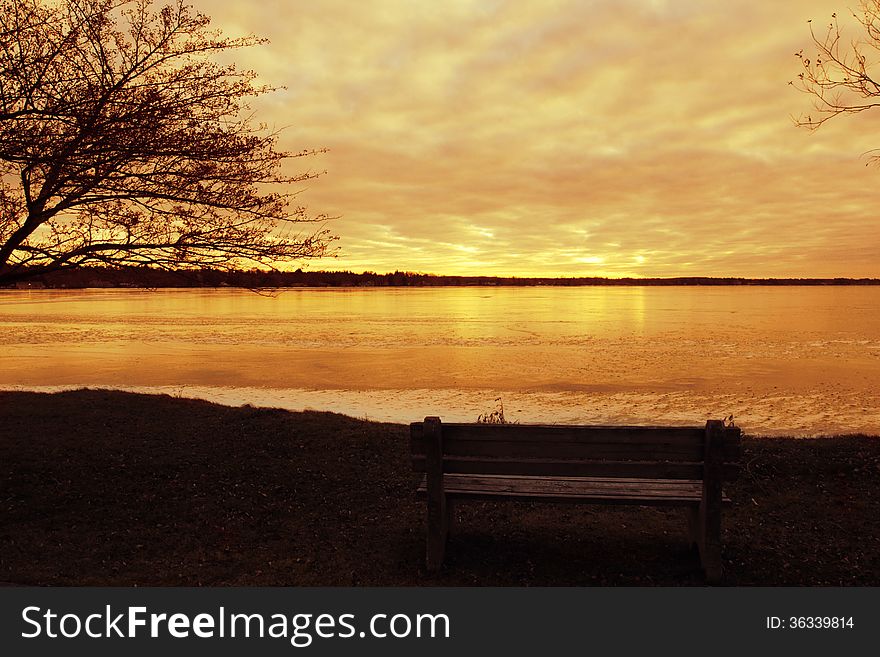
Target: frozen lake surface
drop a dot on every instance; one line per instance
(782, 360)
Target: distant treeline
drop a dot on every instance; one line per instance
(155, 278)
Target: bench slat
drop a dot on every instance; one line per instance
(577, 434)
(537, 448)
(675, 444)
(575, 489)
(570, 433)
(564, 467)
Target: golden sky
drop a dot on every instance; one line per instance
(567, 137)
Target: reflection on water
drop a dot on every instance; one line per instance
(780, 359)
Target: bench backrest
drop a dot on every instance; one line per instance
(576, 451)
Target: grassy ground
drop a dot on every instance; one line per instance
(111, 488)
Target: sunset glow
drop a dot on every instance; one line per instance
(572, 138)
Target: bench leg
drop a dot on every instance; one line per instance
(438, 528)
(450, 517)
(705, 531)
(710, 556)
(710, 502)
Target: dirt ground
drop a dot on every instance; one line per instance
(112, 488)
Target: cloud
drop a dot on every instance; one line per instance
(566, 138)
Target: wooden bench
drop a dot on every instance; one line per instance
(657, 466)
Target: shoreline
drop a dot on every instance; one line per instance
(614, 407)
(113, 488)
(146, 278)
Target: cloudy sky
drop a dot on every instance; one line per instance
(567, 137)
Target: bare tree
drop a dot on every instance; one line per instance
(840, 77)
(122, 142)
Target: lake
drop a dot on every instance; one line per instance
(781, 360)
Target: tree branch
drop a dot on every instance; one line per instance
(129, 142)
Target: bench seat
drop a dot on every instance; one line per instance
(596, 490)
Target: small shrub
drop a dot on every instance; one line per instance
(496, 416)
